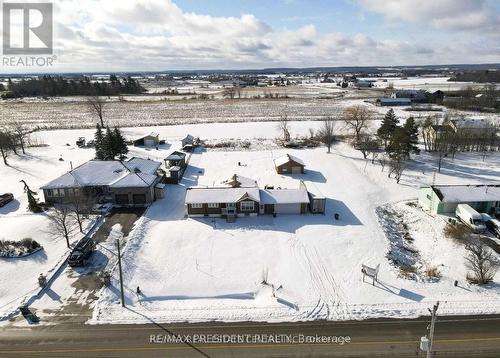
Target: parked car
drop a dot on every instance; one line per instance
(493, 226)
(470, 217)
(6, 198)
(81, 253)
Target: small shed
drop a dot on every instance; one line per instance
(150, 140)
(176, 159)
(289, 164)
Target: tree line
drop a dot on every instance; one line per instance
(48, 86)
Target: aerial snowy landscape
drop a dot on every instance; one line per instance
(291, 178)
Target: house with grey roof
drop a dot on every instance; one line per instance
(118, 182)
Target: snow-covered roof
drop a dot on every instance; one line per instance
(152, 134)
(135, 180)
(188, 138)
(286, 158)
(220, 195)
(99, 172)
(113, 173)
(283, 196)
(313, 190)
(64, 181)
(239, 181)
(467, 193)
(176, 156)
(143, 165)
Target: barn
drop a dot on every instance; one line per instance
(289, 164)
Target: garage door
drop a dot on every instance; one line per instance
(121, 199)
(287, 208)
(296, 170)
(139, 198)
(149, 142)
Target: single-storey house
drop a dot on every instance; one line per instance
(176, 159)
(150, 140)
(443, 199)
(242, 196)
(129, 182)
(387, 101)
(289, 164)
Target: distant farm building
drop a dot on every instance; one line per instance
(388, 101)
(289, 164)
(443, 199)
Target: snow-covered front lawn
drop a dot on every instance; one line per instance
(298, 267)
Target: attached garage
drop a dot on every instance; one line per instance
(121, 199)
(287, 208)
(139, 199)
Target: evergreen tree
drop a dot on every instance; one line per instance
(399, 144)
(411, 129)
(388, 126)
(99, 139)
(119, 145)
(107, 145)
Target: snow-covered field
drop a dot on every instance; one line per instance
(197, 270)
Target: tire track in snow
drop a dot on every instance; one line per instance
(331, 296)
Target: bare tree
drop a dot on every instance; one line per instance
(229, 92)
(80, 206)
(480, 260)
(356, 118)
(21, 133)
(326, 132)
(96, 105)
(396, 166)
(62, 223)
(368, 144)
(284, 128)
(5, 138)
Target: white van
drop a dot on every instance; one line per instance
(470, 217)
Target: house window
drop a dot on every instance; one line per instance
(428, 196)
(196, 206)
(61, 192)
(213, 205)
(77, 192)
(247, 206)
(49, 192)
(71, 192)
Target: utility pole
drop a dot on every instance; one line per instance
(431, 330)
(120, 268)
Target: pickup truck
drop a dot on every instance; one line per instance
(6, 198)
(81, 253)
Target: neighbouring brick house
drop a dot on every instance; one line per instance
(289, 164)
(129, 182)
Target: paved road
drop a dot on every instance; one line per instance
(457, 337)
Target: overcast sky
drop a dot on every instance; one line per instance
(91, 35)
